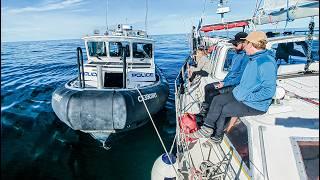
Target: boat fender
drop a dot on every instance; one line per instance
(188, 124)
(162, 168)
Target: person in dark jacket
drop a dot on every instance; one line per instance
(251, 97)
(238, 64)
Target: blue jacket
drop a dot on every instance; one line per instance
(258, 82)
(239, 63)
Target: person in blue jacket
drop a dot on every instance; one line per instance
(238, 64)
(251, 97)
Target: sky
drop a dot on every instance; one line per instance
(72, 19)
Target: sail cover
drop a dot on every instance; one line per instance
(228, 25)
(285, 10)
(272, 5)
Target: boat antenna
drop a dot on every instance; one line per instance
(146, 17)
(107, 15)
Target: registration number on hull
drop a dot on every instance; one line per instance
(147, 97)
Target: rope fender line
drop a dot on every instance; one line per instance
(158, 134)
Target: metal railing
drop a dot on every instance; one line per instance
(180, 86)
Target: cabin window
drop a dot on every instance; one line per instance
(238, 136)
(306, 152)
(142, 50)
(115, 49)
(228, 61)
(97, 49)
(295, 52)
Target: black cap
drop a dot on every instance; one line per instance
(239, 37)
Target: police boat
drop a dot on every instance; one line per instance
(116, 88)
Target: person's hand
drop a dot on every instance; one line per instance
(220, 85)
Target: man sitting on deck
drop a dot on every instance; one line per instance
(238, 64)
(251, 97)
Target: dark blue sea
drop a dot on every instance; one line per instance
(35, 144)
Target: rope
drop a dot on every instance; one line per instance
(154, 125)
(173, 142)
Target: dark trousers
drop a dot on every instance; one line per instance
(210, 92)
(224, 106)
(195, 73)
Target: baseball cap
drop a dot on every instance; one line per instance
(238, 38)
(256, 36)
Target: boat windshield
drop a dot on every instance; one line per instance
(115, 48)
(97, 48)
(142, 50)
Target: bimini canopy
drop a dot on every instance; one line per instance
(227, 25)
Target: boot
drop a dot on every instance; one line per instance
(203, 132)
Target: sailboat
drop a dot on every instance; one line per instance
(280, 144)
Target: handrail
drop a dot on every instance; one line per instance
(80, 67)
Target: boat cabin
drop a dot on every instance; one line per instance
(105, 56)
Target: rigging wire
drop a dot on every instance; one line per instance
(204, 8)
(257, 7)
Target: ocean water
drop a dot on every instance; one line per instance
(37, 145)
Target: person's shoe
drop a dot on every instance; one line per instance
(203, 132)
(216, 139)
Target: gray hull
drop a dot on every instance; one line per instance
(108, 110)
